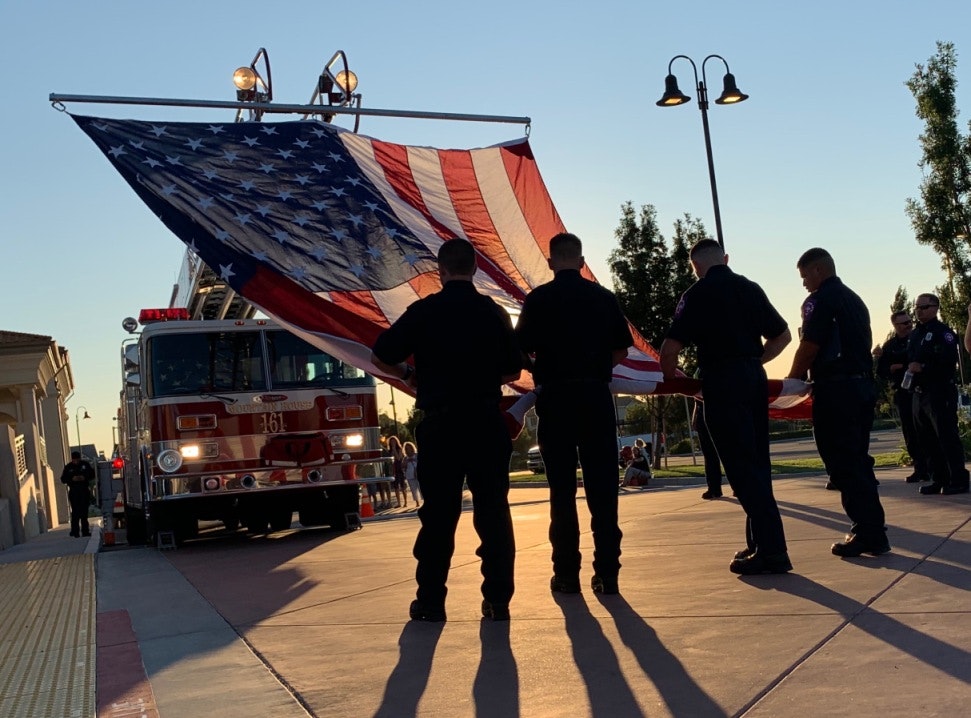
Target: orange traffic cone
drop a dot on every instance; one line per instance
(367, 511)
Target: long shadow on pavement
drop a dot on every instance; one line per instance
(682, 695)
(496, 686)
(945, 657)
(408, 680)
(609, 694)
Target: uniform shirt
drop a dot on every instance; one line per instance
(725, 315)
(836, 319)
(462, 342)
(573, 326)
(934, 345)
(76, 476)
(894, 351)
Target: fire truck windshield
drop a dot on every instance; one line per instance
(206, 362)
(294, 363)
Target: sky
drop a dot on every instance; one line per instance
(824, 153)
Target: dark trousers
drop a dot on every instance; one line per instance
(842, 419)
(737, 414)
(713, 467)
(472, 446)
(904, 401)
(79, 512)
(936, 419)
(578, 421)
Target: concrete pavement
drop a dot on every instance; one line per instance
(313, 623)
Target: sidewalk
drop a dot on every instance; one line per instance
(297, 626)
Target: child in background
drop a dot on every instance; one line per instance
(411, 470)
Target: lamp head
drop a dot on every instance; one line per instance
(244, 78)
(672, 94)
(86, 415)
(730, 94)
(347, 81)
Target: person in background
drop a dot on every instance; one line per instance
(727, 316)
(398, 470)
(77, 476)
(573, 333)
(638, 471)
(967, 332)
(892, 362)
(464, 350)
(933, 355)
(834, 352)
(411, 471)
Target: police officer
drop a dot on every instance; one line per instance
(77, 475)
(727, 316)
(576, 333)
(464, 351)
(933, 360)
(891, 364)
(834, 352)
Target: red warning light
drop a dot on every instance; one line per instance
(169, 314)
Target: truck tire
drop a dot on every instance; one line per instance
(281, 519)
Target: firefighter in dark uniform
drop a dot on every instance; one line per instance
(77, 476)
(891, 364)
(933, 354)
(834, 352)
(575, 333)
(464, 351)
(726, 316)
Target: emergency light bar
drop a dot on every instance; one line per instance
(169, 314)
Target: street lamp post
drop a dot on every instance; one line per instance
(77, 422)
(730, 95)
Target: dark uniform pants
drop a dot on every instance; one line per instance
(80, 501)
(578, 420)
(842, 419)
(935, 416)
(736, 412)
(904, 401)
(468, 445)
(713, 468)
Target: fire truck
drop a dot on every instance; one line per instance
(238, 421)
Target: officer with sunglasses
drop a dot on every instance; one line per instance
(892, 362)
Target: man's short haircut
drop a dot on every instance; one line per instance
(457, 256)
(566, 246)
(933, 298)
(706, 249)
(75, 454)
(816, 255)
(899, 313)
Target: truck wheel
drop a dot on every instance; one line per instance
(281, 519)
(257, 524)
(311, 517)
(231, 523)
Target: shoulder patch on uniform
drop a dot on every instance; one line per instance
(949, 337)
(929, 336)
(680, 308)
(807, 307)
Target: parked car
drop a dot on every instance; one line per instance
(534, 461)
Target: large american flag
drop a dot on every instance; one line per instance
(333, 234)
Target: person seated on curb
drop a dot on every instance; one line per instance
(638, 471)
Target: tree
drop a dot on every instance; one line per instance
(649, 279)
(941, 218)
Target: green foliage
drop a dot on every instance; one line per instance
(649, 278)
(941, 218)
(405, 431)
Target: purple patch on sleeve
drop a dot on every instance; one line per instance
(807, 308)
